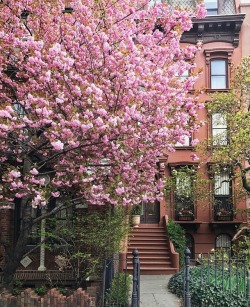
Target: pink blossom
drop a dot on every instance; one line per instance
(194, 142)
(34, 171)
(195, 157)
(120, 191)
(58, 145)
(55, 194)
(201, 11)
(14, 174)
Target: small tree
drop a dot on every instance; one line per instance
(83, 252)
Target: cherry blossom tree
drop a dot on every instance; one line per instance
(90, 97)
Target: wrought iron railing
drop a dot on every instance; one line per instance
(228, 275)
(117, 285)
(223, 209)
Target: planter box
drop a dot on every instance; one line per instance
(224, 218)
(185, 218)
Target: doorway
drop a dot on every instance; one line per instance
(150, 212)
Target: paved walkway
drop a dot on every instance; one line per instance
(154, 292)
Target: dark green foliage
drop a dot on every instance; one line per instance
(177, 235)
(136, 210)
(40, 290)
(210, 289)
(17, 286)
(118, 294)
(82, 244)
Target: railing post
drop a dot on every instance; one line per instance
(136, 280)
(187, 294)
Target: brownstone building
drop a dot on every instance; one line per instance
(210, 222)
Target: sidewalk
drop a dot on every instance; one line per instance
(154, 292)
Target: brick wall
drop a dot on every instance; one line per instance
(29, 298)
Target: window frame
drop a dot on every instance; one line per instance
(218, 54)
(219, 128)
(178, 205)
(223, 74)
(223, 203)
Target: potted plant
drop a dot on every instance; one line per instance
(136, 212)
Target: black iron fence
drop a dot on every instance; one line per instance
(219, 271)
(121, 287)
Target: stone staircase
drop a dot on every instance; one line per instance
(153, 247)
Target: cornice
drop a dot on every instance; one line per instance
(219, 28)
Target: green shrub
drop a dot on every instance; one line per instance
(118, 294)
(17, 286)
(40, 290)
(177, 235)
(209, 289)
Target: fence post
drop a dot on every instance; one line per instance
(248, 288)
(187, 294)
(136, 280)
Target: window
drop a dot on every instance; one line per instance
(223, 201)
(219, 129)
(212, 7)
(218, 74)
(152, 3)
(183, 193)
(218, 61)
(221, 184)
(185, 141)
(223, 243)
(183, 76)
(220, 7)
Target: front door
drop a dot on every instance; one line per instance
(150, 213)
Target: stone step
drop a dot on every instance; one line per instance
(154, 271)
(149, 240)
(152, 244)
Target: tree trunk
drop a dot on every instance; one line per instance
(15, 254)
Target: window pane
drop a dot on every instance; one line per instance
(184, 185)
(222, 184)
(212, 12)
(219, 120)
(211, 4)
(152, 3)
(218, 82)
(218, 68)
(219, 137)
(223, 241)
(185, 141)
(219, 129)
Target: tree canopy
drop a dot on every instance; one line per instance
(90, 97)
